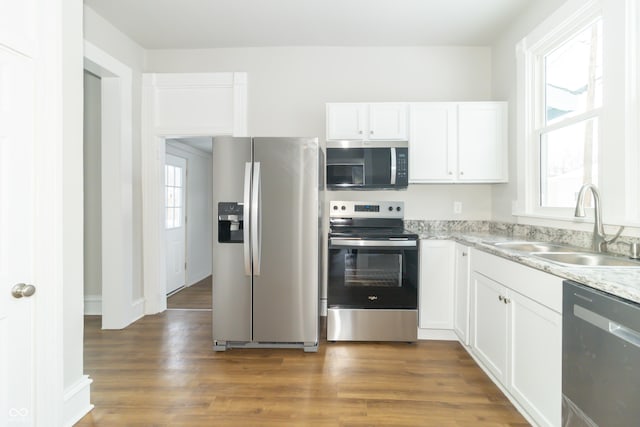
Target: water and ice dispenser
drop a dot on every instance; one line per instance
(230, 222)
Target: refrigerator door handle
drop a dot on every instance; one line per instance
(246, 211)
(256, 219)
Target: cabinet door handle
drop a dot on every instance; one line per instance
(500, 297)
(464, 254)
(450, 173)
(360, 132)
(506, 300)
(461, 173)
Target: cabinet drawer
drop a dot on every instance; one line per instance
(539, 286)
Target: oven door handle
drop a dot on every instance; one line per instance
(346, 242)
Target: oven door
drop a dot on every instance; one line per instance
(379, 274)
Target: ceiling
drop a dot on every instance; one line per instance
(184, 24)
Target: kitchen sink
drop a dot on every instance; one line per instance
(586, 259)
(534, 247)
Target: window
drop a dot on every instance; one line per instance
(570, 93)
(174, 191)
(578, 104)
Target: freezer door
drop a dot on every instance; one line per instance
(231, 265)
(285, 292)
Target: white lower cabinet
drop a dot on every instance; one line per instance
(518, 338)
(489, 341)
(436, 290)
(461, 293)
(535, 377)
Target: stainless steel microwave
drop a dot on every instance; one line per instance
(364, 166)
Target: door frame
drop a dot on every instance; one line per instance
(118, 309)
(157, 126)
(185, 194)
(61, 391)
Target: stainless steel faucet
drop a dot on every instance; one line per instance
(599, 237)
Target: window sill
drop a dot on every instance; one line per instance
(572, 223)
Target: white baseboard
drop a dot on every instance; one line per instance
(77, 401)
(198, 278)
(137, 309)
(93, 305)
(437, 334)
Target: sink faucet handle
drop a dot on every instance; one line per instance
(614, 238)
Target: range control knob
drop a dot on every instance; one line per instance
(390, 208)
(398, 208)
(335, 207)
(344, 208)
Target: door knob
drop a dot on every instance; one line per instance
(23, 290)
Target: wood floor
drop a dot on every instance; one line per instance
(162, 371)
(196, 296)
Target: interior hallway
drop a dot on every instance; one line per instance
(162, 371)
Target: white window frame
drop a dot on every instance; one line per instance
(176, 208)
(618, 152)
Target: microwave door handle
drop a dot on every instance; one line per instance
(256, 220)
(246, 213)
(393, 166)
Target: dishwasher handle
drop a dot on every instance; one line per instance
(624, 333)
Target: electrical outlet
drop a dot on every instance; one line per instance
(457, 207)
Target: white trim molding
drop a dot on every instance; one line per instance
(93, 305)
(178, 105)
(77, 401)
(116, 185)
(437, 334)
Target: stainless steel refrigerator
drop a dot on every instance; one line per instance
(266, 243)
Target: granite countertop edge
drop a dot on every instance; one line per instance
(620, 282)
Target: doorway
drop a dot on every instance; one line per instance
(188, 215)
(92, 175)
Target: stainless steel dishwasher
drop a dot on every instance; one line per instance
(600, 359)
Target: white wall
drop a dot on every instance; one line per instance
(504, 88)
(92, 189)
(108, 38)
(199, 209)
(289, 86)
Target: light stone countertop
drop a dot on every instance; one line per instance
(623, 282)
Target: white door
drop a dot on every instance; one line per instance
(16, 216)
(175, 173)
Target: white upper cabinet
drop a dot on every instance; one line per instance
(388, 121)
(432, 143)
(482, 141)
(346, 121)
(458, 142)
(367, 122)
